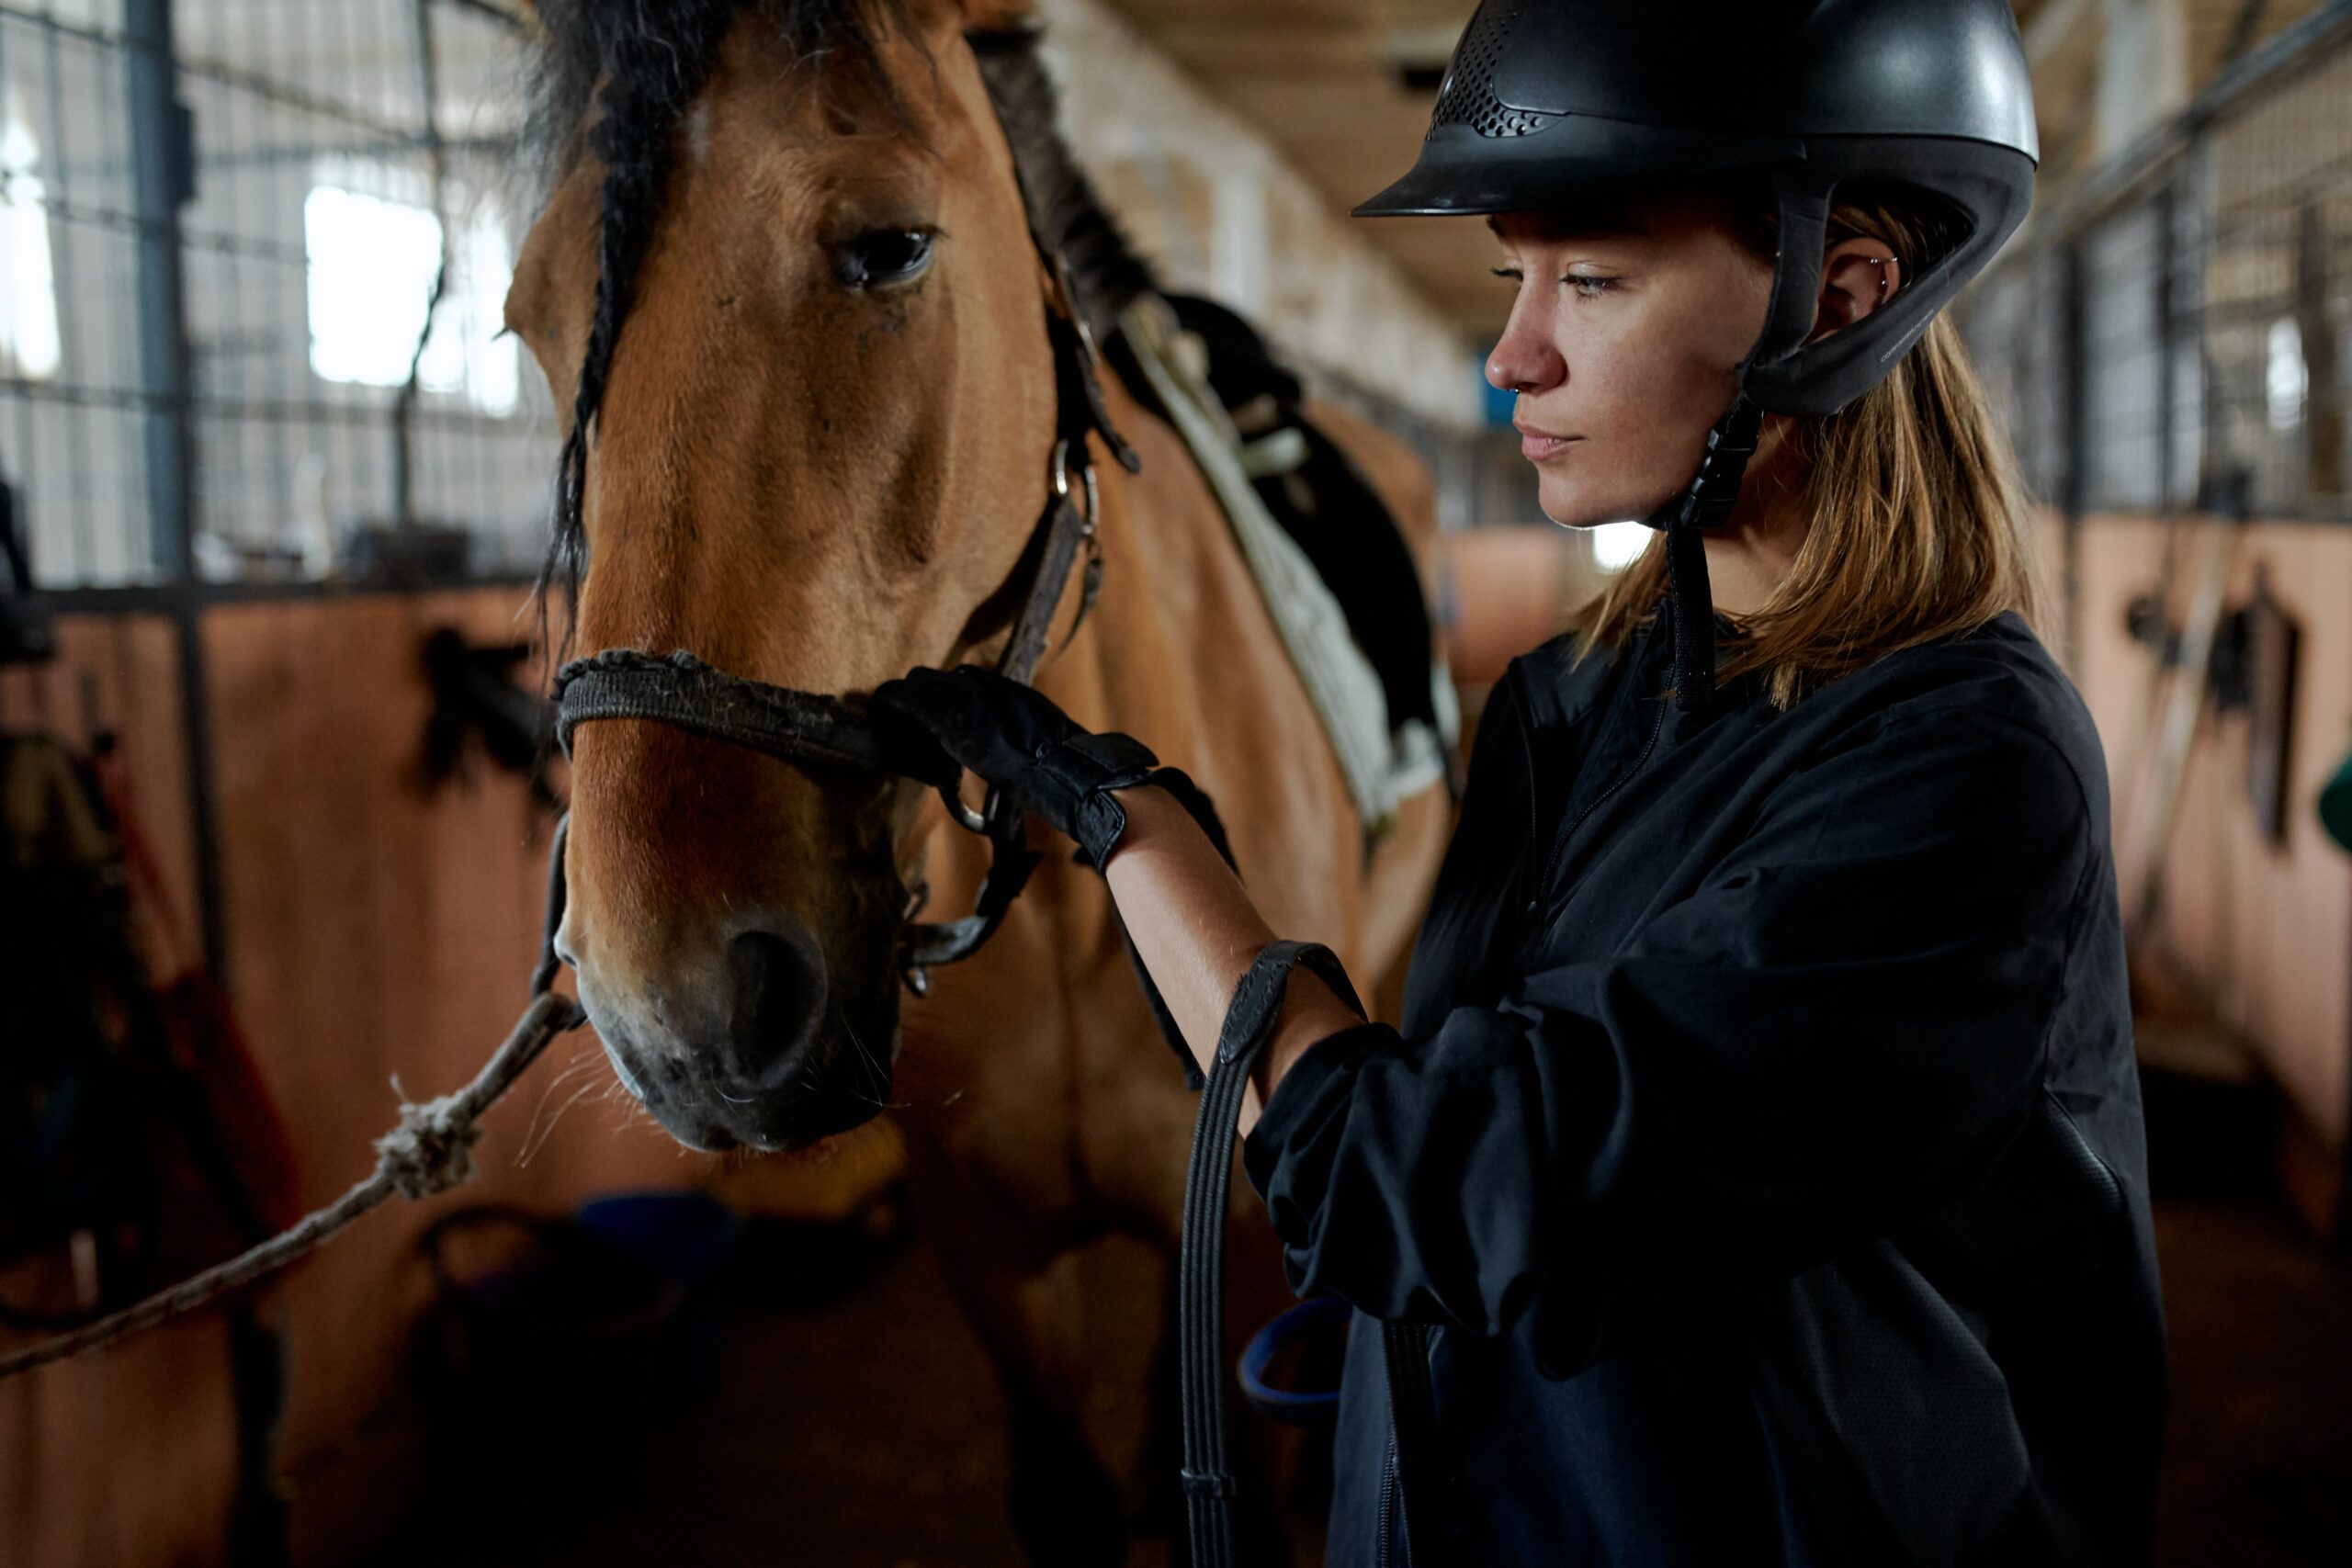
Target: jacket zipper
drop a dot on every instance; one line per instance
(1543, 889)
(1391, 1500)
(1386, 1554)
(1527, 750)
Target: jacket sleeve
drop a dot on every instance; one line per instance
(1842, 1027)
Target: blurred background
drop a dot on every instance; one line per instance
(276, 490)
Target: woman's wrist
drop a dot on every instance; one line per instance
(1197, 934)
(1151, 812)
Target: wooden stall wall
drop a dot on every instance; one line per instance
(128, 1457)
(379, 931)
(2264, 930)
(376, 929)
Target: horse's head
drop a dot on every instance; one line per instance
(785, 282)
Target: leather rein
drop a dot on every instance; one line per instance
(818, 731)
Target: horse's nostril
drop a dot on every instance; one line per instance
(779, 989)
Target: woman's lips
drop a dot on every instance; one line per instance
(1537, 445)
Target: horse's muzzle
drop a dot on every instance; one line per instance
(763, 1056)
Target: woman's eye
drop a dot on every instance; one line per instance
(1590, 288)
(1510, 275)
(882, 257)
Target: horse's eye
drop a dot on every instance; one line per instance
(885, 256)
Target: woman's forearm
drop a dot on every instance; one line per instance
(1197, 931)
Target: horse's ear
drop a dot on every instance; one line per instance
(998, 16)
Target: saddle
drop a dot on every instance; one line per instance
(1337, 575)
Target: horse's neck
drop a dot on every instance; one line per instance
(1179, 651)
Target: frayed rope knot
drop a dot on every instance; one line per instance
(432, 1150)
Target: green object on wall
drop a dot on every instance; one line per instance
(2336, 805)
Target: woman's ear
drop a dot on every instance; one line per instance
(1857, 276)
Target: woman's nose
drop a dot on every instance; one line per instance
(1524, 358)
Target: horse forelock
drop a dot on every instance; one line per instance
(618, 78)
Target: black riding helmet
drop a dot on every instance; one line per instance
(1547, 101)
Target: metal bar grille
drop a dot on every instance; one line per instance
(2213, 349)
(313, 223)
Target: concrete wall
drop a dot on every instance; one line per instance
(1222, 213)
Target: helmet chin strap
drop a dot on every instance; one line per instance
(1787, 322)
(1707, 505)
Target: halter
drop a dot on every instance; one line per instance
(814, 729)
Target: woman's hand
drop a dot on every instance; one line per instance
(1015, 738)
(1193, 926)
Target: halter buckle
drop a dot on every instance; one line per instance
(963, 815)
(1086, 486)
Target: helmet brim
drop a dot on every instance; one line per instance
(1566, 160)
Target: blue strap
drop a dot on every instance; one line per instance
(1297, 1407)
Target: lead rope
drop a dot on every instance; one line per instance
(1200, 1267)
(429, 1151)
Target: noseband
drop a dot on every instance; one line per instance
(816, 731)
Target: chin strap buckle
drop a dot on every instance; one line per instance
(1730, 445)
(1707, 505)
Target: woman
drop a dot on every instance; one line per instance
(1757, 1175)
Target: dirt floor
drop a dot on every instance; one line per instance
(2259, 1452)
(868, 1432)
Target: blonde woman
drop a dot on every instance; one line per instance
(1757, 1175)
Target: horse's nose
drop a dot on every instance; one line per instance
(779, 978)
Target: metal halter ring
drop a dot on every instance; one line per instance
(1086, 482)
(964, 816)
(979, 821)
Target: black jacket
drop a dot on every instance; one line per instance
(1762, 1149)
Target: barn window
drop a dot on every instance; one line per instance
(373, 256)
(29, 348)
(2287, 380)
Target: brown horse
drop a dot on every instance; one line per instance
(786, 250)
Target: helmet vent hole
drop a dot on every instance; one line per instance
(1467, 96)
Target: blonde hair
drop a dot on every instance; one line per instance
(1917, 525)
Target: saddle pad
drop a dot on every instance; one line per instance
(1314, 490)
(1383, 763)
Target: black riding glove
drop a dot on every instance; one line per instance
(1015, 738)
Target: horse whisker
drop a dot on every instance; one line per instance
(531, 1148)
(571, 1071)
(875, 1063)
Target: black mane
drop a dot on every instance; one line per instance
(643, 62)
(1106, 272)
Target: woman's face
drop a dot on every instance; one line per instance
(1623, 345)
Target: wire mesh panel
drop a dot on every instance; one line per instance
(327, 206)
(2014, 326)
(2280, 288)
(326, 216)
(2122, 361)
(71, 391)
(2212, 341)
